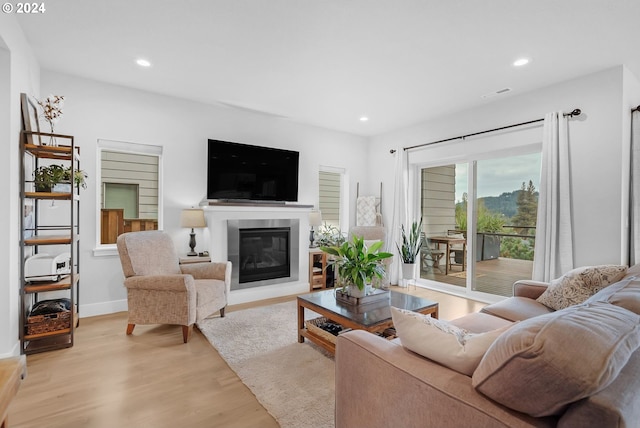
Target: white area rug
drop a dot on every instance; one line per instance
(294, 381)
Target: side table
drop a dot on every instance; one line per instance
(194, 259)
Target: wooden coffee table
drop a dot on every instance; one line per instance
(373, 317)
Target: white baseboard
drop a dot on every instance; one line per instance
(13, 353)
(104, 308)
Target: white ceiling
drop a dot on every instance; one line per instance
(328, 62)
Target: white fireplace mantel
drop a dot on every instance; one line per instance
(217, 216)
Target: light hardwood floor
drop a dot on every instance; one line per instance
(151, 378)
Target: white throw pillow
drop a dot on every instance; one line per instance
(441, 341)
(577, 285)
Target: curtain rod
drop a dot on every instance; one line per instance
(635, 109)
(575, 112)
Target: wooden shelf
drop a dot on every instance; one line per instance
(49, 240)
(40, 287)
(47, 334)
(50, 152)
(49, 343)
(47, 195)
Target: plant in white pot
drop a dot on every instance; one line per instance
(357, 264)
(411, 243)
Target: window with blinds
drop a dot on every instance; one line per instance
(329, 202)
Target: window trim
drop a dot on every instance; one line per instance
(99, 249)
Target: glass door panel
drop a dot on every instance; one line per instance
(442, 188)
(506, 212)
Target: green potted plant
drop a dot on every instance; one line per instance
(329, 235)
(46, 177)
(357, 264)
(410, 247)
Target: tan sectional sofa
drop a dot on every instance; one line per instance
(379, 383)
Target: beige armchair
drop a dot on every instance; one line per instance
(161, 291)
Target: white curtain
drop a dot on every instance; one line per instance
(634, 203)
(400, 212)
(554, 232)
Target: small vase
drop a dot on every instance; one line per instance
(52, 139)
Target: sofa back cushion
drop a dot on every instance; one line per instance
(624, 293)
(577, 285)
(542, 364)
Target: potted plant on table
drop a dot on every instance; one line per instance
(357, 264)
(411, 244)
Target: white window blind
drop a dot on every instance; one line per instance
(329, 202)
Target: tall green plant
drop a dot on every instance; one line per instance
(357, 263)
(411, 243)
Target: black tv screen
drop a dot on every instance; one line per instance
(244, 172)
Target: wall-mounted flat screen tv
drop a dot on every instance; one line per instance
(245, 172)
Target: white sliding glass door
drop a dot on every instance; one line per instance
(479, 220)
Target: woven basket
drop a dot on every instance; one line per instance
(39, 324)
(313, 326)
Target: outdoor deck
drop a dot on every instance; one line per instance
(492, 276)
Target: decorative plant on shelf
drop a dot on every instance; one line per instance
(329, 235)
(47, 176)
(357, 264)
(411, 243)
(52, 111)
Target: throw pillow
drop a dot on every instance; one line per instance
(441, 341)
(579, 284)
(544, 363)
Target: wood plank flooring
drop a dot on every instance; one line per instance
(150, 379)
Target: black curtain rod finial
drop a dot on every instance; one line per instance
(575, 112)
(392, 151)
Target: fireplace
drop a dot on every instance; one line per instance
(263, 252)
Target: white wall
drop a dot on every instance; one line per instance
(95, 110)
(596, 146)
(19, 72)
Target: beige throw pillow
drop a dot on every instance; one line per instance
(544, 363)
(441, 341)
(577, 285)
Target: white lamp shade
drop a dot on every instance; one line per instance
(192, 217)
(315, 218)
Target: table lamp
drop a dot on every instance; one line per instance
(315, 219)
(192, 217)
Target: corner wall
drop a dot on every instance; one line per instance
(19, 72)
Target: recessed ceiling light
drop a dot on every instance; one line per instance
(520, 62)
(364, 119)
(143, 62)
